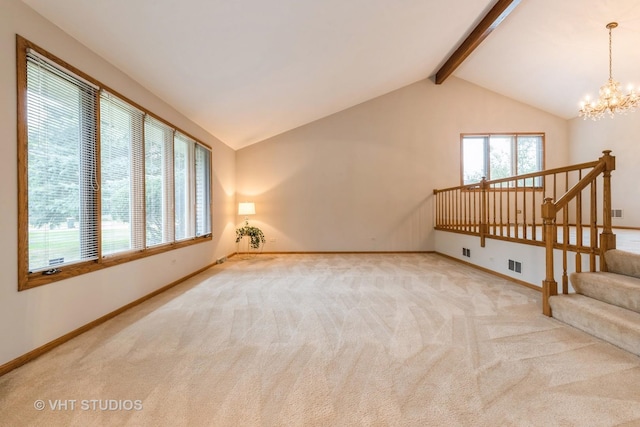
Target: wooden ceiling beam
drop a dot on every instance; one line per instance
(492, 19)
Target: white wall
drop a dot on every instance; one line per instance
(621, 134)
(34, 317)
(496, 254)
(363, 179)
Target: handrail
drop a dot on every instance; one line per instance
(571, 194)
(543, 173)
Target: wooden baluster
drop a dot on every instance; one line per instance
(549, 285)
(555, 196)
(607, 238)
(463, 212)
(454, 213)
(473, 208)
(443, 208)
(593, 227)
(445, 212)
(446, 209)
(555, 186)
(565, 243)
(460, 198)
(449, 209)
(579, 231)
(484, 226)
(467, 209)
(463, 201)
(435, 201)
(454, 207)
(463, 209)
(533, 210)
(456, 220)
(492, 217)
(436, 196)
(501, 220)
(508, 211)
(476, 209)
(443, 200)
(440, 207)
(515, 208)
(524, 209)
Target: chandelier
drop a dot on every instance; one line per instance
(611, 99)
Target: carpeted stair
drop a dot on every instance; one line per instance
(606, 305)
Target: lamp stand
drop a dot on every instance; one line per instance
(247, 254)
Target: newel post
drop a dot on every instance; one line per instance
(607, 238)
(484, 211)
(549, 285)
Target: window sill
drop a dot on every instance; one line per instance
(39, 278)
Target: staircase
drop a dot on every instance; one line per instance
(606, 305)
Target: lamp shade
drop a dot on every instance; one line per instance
(247, 208)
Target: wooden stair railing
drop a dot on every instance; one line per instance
(550, 210)
(507, 209)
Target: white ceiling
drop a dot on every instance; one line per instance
(246, 70)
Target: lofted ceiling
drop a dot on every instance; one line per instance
(246, 70)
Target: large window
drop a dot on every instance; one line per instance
(102, 181)
(496, 156)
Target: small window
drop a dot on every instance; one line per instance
(496, 156)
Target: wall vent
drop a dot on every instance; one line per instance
(518, 268)
(616, 213)
(515, 266)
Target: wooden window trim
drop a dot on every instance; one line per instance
(489, 135)
(28, 280)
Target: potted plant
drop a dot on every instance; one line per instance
(256, 237)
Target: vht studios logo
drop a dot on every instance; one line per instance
(88, 405)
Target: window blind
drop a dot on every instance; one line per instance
(61, 154)
(182, 155)
(202, 190)
(159, 191)
(121, 174)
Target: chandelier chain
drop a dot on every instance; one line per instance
(610, 54)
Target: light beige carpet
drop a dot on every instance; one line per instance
(331, 340)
